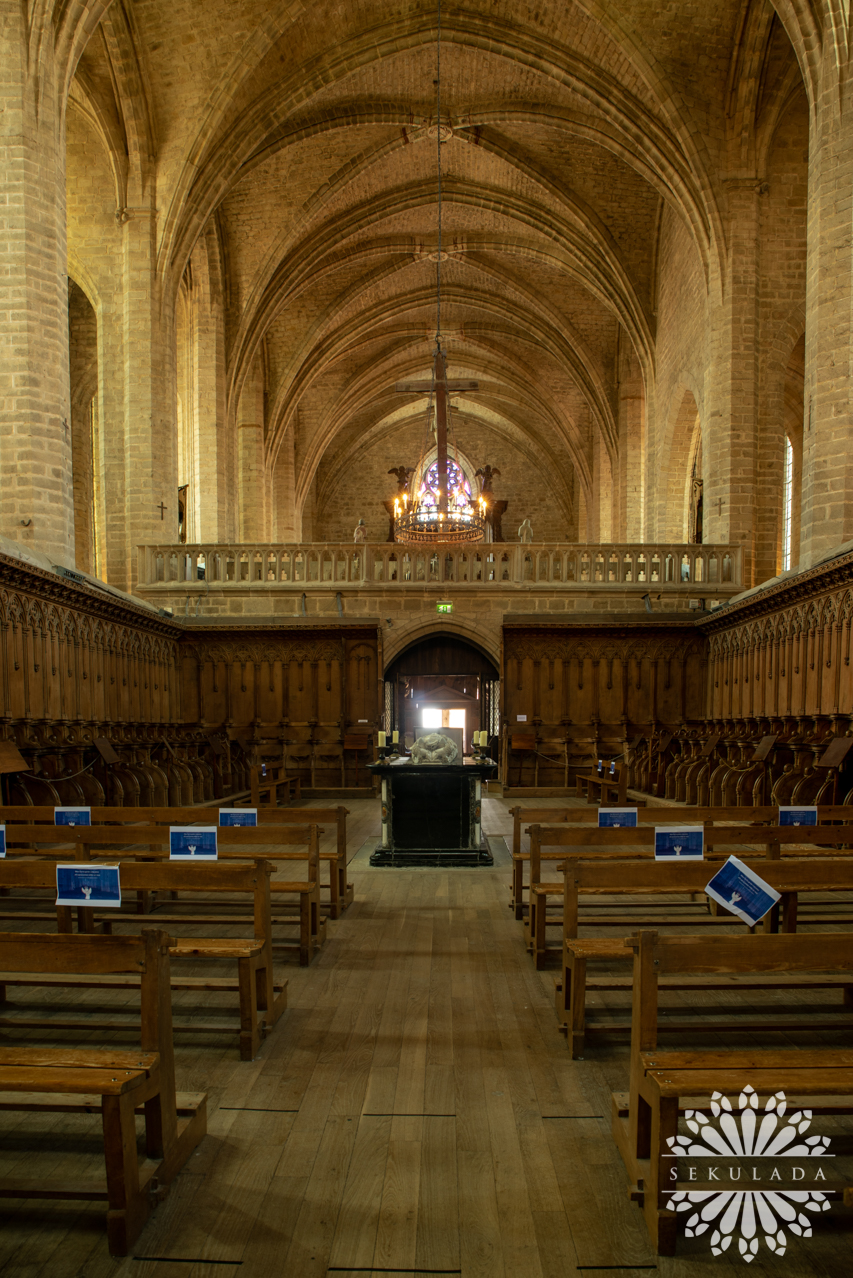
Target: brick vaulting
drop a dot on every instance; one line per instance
(220, 237)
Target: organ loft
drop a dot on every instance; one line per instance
(426, 583)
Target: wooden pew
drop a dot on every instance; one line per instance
(681, 815)
(650, 878)
(269, 786)
(645, 1119)
(606, 788)
(261, 1000)
(770, 841)
(235, 843)
(341, 892)
(75, 1079)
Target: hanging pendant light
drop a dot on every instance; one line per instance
(441, 510)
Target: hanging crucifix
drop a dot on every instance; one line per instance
(431, 519)
(441, 388)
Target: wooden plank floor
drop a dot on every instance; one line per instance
(414, 1113)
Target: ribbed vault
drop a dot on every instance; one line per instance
(290, 148)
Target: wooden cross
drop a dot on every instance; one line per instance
(442, 388)
(162, 510)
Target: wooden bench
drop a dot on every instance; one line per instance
(261, 1000)
(235, 843)
(607, 787)
(612, 878)
(341, 892)
(121, 1083)
(269, 786)
(644, 1120)
(681, 814)
(624, 844)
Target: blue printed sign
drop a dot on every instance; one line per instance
(798, 816)
(238, 816)
(679, 842)
(88, 885)
(72, 816)
(610, 817)
(2, 840)
(192, 842)
(740, 890)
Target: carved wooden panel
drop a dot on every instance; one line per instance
(289, 695)
(76, 664)
(790, 657)
(67, 655)
(588, 689)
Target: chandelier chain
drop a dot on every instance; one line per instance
(438, 145)
(434, 519)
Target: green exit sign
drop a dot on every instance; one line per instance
(443, 606)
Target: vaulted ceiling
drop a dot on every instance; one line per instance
(305, 132)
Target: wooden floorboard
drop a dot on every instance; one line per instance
(414, 1112)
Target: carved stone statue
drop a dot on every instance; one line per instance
(359, 535)
(434, 748)
(403, 475)
(525, 533)
(485, 475)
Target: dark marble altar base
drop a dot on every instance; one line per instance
(432, 813)
(449, 857)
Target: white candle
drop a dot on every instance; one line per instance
(381, 739)
(395, 737)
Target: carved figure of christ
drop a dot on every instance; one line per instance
(442, 388)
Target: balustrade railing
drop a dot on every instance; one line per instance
(489, 564)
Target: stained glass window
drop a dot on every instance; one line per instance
(458, 488)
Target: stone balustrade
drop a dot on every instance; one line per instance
(664, 567)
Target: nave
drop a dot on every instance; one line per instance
(415, 1112)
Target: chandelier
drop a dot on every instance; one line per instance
(441, 509)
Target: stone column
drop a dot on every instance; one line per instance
(732, 401)
(250, 444)
(827, 494)
(151, 462)
(632, 453)
(36, 498)
(251, 460)
(288, 522)
(593, 512)
(216, 457)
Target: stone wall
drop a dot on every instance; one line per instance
(524, 483)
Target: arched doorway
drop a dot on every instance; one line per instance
(442, 683)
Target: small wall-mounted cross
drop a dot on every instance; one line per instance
(162, 510)
(719, 505)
